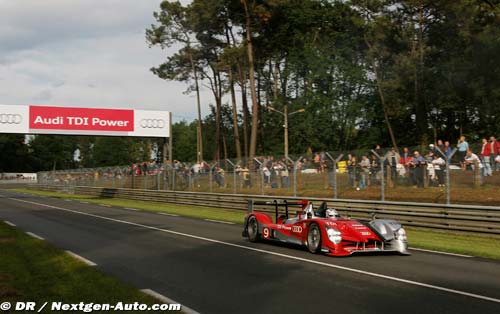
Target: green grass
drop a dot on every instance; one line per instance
(446, 241)
(455, 242)
(235, 216)
(32, 270)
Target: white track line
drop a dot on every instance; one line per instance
(130, 208)
(353, 270)
(80, 258)
(167, 214)
(167, 300)
(9, 223)
(220, 221)
(439, 252)
(84, 202)
(31, 234)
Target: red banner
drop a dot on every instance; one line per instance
(80, 119)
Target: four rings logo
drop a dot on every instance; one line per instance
(10, 118)
(153, 123)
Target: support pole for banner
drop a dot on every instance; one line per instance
(170, 142)
(334, 161)
(382, 182)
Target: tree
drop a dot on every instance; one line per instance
(53, 152)
(173, 27)
(120, 151)
(15, 155)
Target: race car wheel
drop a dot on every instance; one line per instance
(253, 229)
(314, 239)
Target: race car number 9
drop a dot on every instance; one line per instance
(265, 232)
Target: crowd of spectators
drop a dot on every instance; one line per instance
(409, 167)
(414, 168)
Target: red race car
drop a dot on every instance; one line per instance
(321, 229)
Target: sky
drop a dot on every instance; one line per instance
(86, 53)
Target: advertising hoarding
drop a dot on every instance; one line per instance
(83, 121)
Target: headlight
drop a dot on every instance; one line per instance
(334, 235)
(401, 234)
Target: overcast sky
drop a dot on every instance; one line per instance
(85, 53)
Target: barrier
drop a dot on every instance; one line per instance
(480, 219)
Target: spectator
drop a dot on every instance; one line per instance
(494, 153)
(485, 157)
(447, 149)
(219, 176)
(317, 162)
(472, 159)
(247, 183)
(405, 159)
(365, 171)
(441, 146)
(393, 158)
(351, 169)
(463, 147)
(267, 175)
(285, 180)
(375, 173)
(438, 164)
(418, 164)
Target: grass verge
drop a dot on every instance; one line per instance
(34, 271)
(431, 239)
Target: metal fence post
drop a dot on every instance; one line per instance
(261, 175)
(158, 180)
(174, 174)
(211, 176)
(447, 164)
(382, 183)
(234, 175)
(334, 161)
(295, 174)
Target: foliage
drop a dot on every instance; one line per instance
(418, 69)
(15, 156)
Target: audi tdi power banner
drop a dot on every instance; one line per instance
(88, 121)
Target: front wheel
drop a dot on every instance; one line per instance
(314, 239)
(253, 229)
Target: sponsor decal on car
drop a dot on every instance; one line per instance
(284, 227)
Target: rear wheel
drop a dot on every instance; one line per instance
(253, 229)
(314, 238)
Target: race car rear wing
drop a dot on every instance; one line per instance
(277, 204)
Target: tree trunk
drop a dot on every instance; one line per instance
(199, 135)
(233, 103)
(382, 97)
(420, 106)
(235, 116)
(384, 107)
(253, 91)
(244, 104)
(218, 100)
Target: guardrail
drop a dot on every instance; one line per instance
(481, 219)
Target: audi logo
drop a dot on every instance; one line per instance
(10, 118)
(152, 123)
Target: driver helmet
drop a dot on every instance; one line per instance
(332, 213)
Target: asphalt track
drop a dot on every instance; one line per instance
(210, 268)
